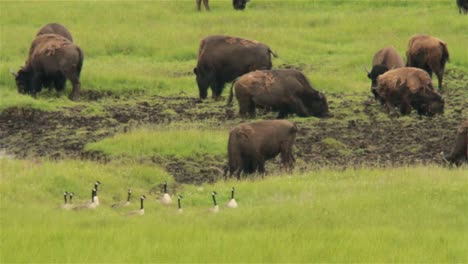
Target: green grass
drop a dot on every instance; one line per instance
(365, 215)
(178, 142)
(151, 47)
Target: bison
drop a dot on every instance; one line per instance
(221, 59)
(251, 144)
(55, 28)
(459, 151)
(409, 87)
(205, 3)
(52, 60)
(428, 53)
(239, 4)
(287, 91)
(462, 6)
(384, 60)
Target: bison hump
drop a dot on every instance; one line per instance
(47, 44)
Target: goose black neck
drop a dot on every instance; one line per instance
(128, 197)
(165, 187)
(232, 193)
(93, 194)
(214, 199)
(65, 197)
(178, 203)
(71, 197)
(141, 203)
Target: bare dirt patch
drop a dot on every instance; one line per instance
(358, 134)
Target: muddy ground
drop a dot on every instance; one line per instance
(358, 134)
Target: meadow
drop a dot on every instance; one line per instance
(139, 124)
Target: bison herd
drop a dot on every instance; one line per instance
(54, 58)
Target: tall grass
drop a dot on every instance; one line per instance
(365, 215)
(147, 142)
(152, 46)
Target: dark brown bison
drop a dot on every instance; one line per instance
(409, 87)
(251, 144)
(239, 4)
(287, 91)
(205, 3)
(428, 53)
(221, 59)
(462, 6)
(459, 152)
(53, 60)
(384, 60)
(55, 28)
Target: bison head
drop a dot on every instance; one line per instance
(205, 78)
(432, 108)
(239, 4)
(317, 105)
(374, 73)
(23, 81)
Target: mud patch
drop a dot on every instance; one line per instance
(358, 134)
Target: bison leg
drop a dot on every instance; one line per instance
(205, 3)
(405, 107)
(73, 75)
(217, 89)
(36, 84)
(246, 107)
(287, 158)
(198, 5)
(59, 83)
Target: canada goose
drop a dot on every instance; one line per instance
(124, 204)
(232, 203)
(179, 209)
(166, 198)
(96, 198)
(215, 208)
(70, 202)
(141, 211)
(89, 205)
(66, 205)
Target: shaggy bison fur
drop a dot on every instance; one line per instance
(459, 152)
(251, 144)
(286, 91)
(221, 59)
(384, 60)
(52, 60)
(409, 88)
(428, 53)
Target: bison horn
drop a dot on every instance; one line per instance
(13, 72)
(365, 68)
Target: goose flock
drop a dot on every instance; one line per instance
(165, 199)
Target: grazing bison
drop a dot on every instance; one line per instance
(205, 3)
(428, 53)
(239, 4)
(287, 91)
(55, 28)
(384, 60)
(459, 151)
(462, 6)
(221, 59)
(251, 144)
(409, 87)
(53, 60)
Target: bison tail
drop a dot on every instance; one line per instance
(445, 53)
(272, 53)
(231, 93)
(80, 63)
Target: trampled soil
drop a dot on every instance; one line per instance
(358, 134)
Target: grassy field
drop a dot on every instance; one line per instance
(151, 47)
(138, 51)
(365, 215)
